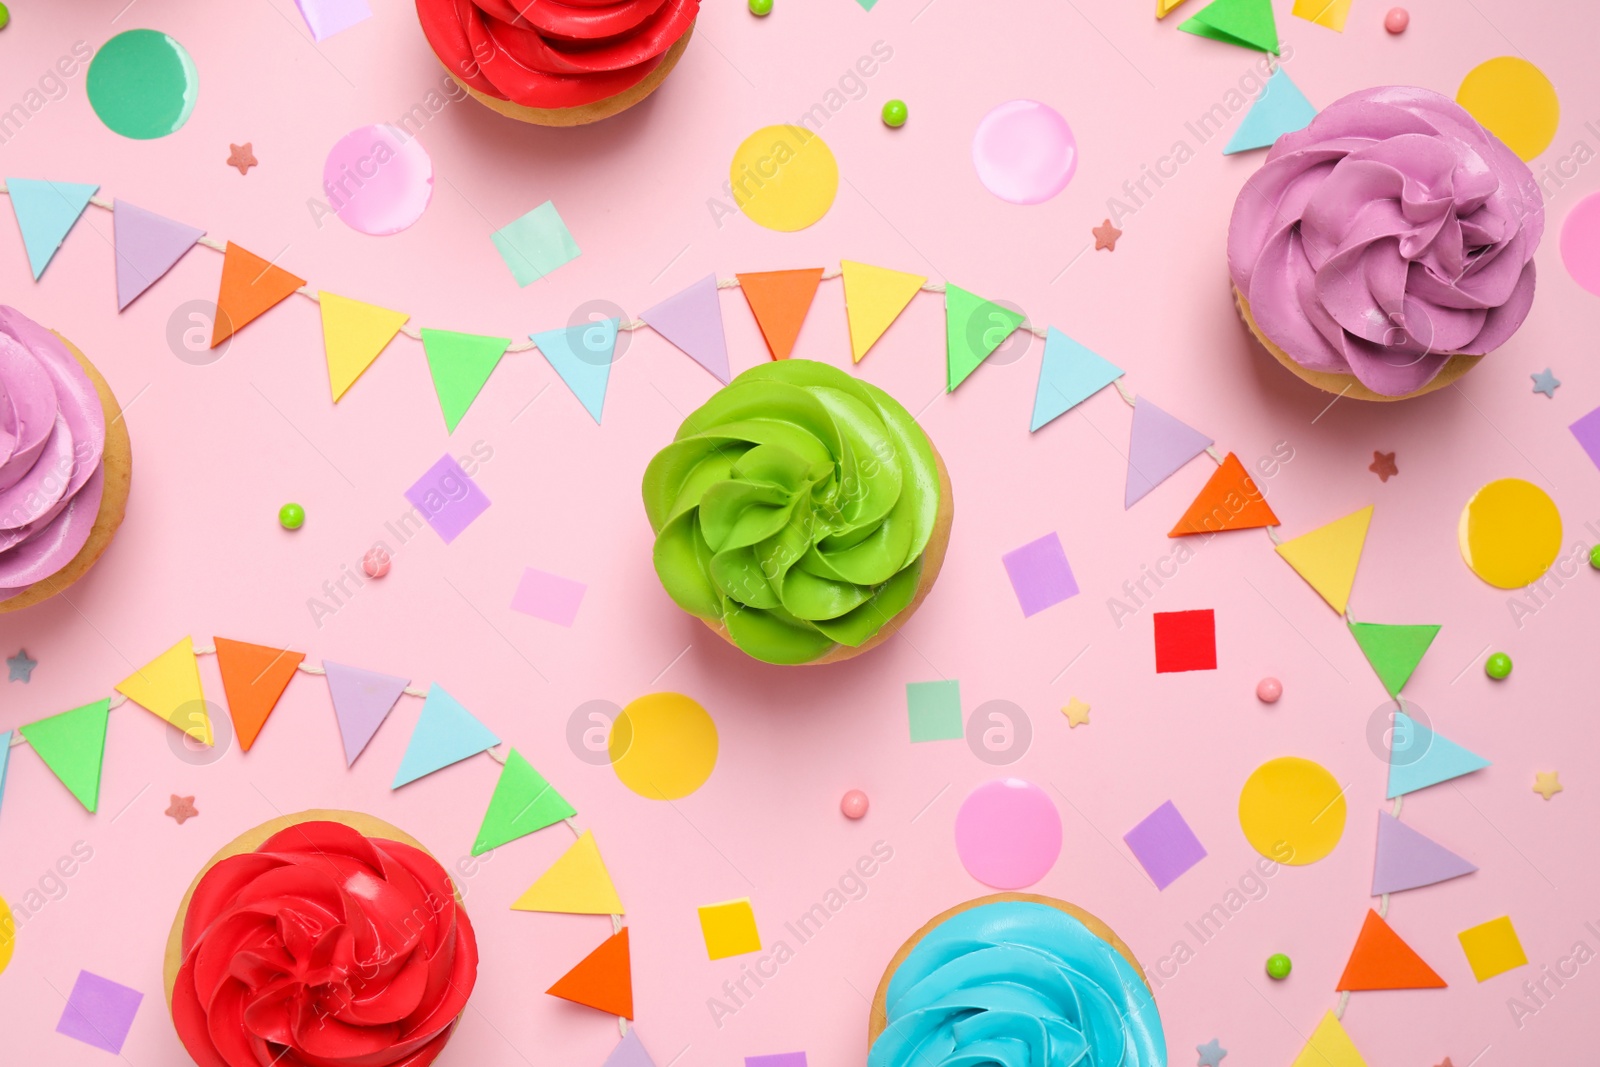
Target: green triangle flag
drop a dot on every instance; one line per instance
(522, 803)
(1246, 23)
(1393, 651)
(71, 745)
(460, 363)
(973, 329)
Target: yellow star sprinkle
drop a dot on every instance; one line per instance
(1077, 713)
(1546, 783)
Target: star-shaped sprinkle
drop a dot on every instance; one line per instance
(181, 808)
(1077, 713)
(19, 668)
(1547, 783)
(1383, 465)
(240, 156)
(1211, 1053)
(1546, 383)
(1105, 236)
(1446, 1063)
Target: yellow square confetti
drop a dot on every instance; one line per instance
(1492, 948)
(729, 929)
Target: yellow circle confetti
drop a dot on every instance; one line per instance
(663, 746)
(784, 177)
(8, 934)
(1292, 811)
(1510, 533)
(1514, 101)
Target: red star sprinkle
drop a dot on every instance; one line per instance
(240, 156)
(1105, 236)
(1383, 465)
(181, 808)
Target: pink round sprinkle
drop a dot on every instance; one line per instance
(1268, 690)
(1397, 20)
(1008, 833)
(375, 564)
(854, 804)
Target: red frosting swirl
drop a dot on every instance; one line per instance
(543, 54)
(323, 948)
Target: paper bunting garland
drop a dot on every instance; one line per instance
(253, 679)
(602, 980)
(1393, 651)
(1230, 500)
(1407, 859)
(460, 364)
(1281, 108)
(1327, 556)
(446, 733)
(1246, 23)
(973, 329)
(361, 701)
(1329, 1046)
(46, 213)
(873, 299)
(353, 335)
(1418, 757)
(250, 287)
(582, 356)
(1158, 445)
(5, 759)
(692, 320)
(146, 245)
(1381, 960)
(780, 299)
(1069, 374)
(169, 688)
(1329, 13)
(73, 746)
(576, 884)
(1166, 7)
(522, 803)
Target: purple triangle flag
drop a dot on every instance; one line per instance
(147, 246)
(361, 701)
(1157, 447)
(629, 1052)
(1408, 860)
(692, 320)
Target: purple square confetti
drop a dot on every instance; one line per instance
(781, 1059)
(447, 498)
(1040, 574)
(324, 18)
(548, 596)
(1164, 845)
(1587, 431)
(99, 1012)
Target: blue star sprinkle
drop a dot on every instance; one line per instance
(1546, 383)
(20, 667)
(1211, 1053)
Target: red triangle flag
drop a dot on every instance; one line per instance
(1381, 960)
(1229, 501)
(780, 299)
(602, 980)
(250, 286)
(254, 678)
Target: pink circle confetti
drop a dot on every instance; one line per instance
(854, 804)
(1397, 20)
(1024, 152)
(1008, 833)
(378, 180)
(1580, 243)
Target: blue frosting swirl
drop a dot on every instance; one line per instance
(1016, 984)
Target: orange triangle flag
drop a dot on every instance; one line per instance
(1229, 501)
(603, 980)
(250, 287)
(779, 299)
(254, 678)
(1381, 960)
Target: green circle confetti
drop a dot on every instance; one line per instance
(142, 84)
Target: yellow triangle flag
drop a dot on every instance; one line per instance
(1329, 13)
(1166, 7)
(576, 884)
(873, 299)
(353, 335)
(169, 686)
(1329, 1046)
(1327, 556)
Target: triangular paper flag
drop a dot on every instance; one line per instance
(576, 884)
(72, 745)
(1166, 7)
(253, 678)
(361, 701)
(779, 299)
(973, 329)
(46, 213)
(460, 364)
(169, 687)
(522, 803)
(1158, 445)
(1418, 757)
(353, 335)
(1069, 374)
(5, 758)
(582, 355)
(146, 245)
(1246, 23)
(1327, 556)
(873, 299)
(250, 287)
(1393, 651)
(602, 980)
(1329, 13)
(1381, 960)
(1281, 108)
(446, 733)
(1229, 501)
(692, 320)
(1407, 859)
(629, 1052)
(1329, 1046)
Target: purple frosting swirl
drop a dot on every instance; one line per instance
(52, 436)
(1387, 236)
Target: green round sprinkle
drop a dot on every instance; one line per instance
(5, 17)
(291, 516)
(1498, 666)
(894, 113)
(1278, 966)
(761, 8)
(1594, 557)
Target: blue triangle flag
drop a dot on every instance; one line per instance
(582, 355)
(1281, 108)
(446, 733)
(5, 757)
(1069, 374)
(1418, 757)
(46, 213)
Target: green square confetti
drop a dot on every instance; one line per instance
(536, 244)
(935, 710)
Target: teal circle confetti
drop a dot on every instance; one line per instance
(142, 84)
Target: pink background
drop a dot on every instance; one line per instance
(219, 447)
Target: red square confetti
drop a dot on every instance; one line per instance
(1186, 641)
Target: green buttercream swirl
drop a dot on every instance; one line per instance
(794, 508)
